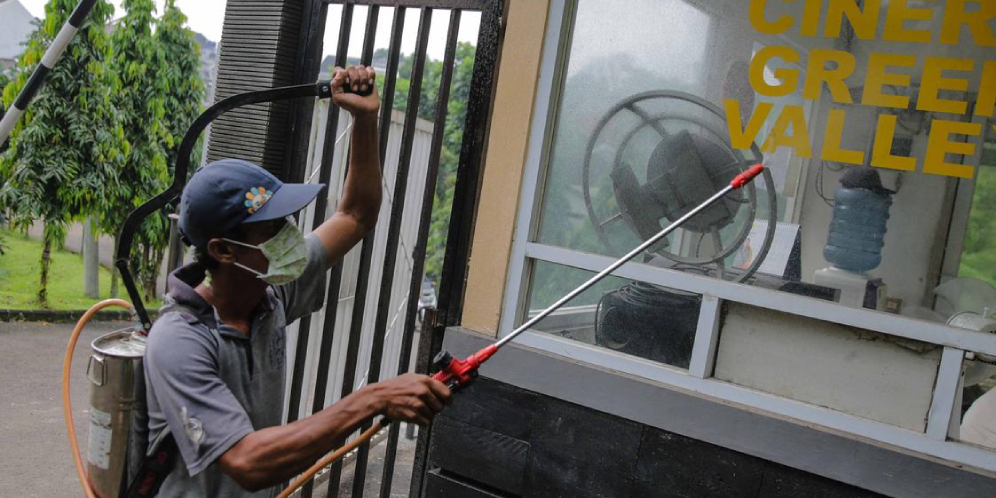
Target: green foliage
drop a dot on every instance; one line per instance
(138, 97)
(177, 58)
(183, 91)
(66, 148)
(158, 92)
(456, 116)
(979, 255)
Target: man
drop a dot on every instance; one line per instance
(215, 362)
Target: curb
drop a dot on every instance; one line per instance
(61, 316)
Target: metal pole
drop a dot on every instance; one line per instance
(614, 266)
(52, 55)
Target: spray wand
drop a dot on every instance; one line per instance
(459, 373)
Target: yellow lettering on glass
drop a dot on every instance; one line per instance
(956, 15)
(817, 74)
(865, 22)
(934, 81)
(832, 147)
(794, 117)
(898, 13)
(882, 151)
(741, 138)
(789, 78)
(878, 77)
(940, 145)
(761, 23)
(811, 18)
(985, 104)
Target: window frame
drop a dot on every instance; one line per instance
(934, 441)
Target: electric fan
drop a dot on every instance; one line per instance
(652, 158)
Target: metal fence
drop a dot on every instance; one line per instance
(365, 331)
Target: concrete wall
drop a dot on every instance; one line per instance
(507, 145)
(826, 364)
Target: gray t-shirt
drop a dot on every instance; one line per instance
(210, 385)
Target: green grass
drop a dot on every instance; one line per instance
(20, 271)
(979, 265)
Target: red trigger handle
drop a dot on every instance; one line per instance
(460, 373)
(747, 176)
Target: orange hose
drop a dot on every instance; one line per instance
(332, 457)
(67, 409)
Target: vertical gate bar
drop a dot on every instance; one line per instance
(391, 77)
(418, 258)
(394, 233)
(366, 252)
(370, 36)
(465, 195)
(471, 164)
(304, 325)
(335, 280)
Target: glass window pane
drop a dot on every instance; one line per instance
(869, 136)
(634, 318)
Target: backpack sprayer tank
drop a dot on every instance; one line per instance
(117, 393)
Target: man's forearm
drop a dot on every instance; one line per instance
(362, 192)
(270, 456)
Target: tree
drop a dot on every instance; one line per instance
(182, 90)
(63, 153)
(136, 94)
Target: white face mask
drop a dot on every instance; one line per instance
(286, 252)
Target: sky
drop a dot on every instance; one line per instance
(204, 16)
(469, 22)
(207, 17)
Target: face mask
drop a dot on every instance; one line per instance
(286, 252)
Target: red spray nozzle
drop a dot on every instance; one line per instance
(747, 176)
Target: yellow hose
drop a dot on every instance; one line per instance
(332, 457)
(67, 408)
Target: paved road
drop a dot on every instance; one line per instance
(34, 454)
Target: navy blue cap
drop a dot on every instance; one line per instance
(227, 193)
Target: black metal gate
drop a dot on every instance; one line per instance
(464, 202)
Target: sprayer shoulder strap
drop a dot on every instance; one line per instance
(155, 468)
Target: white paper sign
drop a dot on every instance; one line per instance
(99, 441)
(776, 261)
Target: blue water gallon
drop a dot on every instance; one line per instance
(857, 232)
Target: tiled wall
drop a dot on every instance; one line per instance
(502, 441)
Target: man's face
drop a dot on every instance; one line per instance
(256, 234)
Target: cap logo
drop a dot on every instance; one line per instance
(255, 198)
